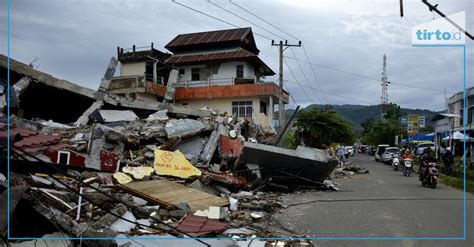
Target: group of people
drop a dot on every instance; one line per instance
(428, 157)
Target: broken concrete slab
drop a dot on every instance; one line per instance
(312, 164)
(183, 127)
(192, 148)
(117, 115)
(158, 116)
(121, 225)
(211, 145)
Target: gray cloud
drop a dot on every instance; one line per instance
(75, 39)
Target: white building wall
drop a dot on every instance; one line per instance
(225, 71)
(132, 68)
(225, 105)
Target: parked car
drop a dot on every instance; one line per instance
(380, 150)
(349, 151)
(387, 156)
(422, 146)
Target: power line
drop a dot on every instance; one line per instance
(302, 71)
(215, 18)
(258, 17)
(291, 96)
(366, 77)
(314, 74)
(299, 84)
(242, 18)
(27, 156)
(338, 95)
(307, 57)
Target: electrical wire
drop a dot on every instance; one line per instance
(21, 153)
(246, 20)
(283, 31)
(215, 18)
(258, 17)
(366, 77)
(299, 84)
(338, 95)
(302, 72)
(314, 74)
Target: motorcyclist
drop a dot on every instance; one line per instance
(426, 159)
(407, 155)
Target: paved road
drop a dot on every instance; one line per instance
(382, 203)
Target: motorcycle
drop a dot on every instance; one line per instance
(395, 161)
(431, 178)
(407, 166)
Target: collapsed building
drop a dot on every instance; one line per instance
(148, 156)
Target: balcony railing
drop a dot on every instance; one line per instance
(216, 82)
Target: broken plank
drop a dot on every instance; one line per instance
(170, 194)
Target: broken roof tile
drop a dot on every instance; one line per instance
(198, 225)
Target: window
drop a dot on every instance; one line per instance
(181, 71)
(263, 107)
(195, 74)
(239, 71)
(242, 108)
(63, 157)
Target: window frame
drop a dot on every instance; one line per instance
(242, 108)
(195, 71)
(237, 67)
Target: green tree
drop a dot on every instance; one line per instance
(384, 132)
(317, 127)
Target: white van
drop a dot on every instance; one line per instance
(380, 150)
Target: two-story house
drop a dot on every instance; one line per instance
(218, 69)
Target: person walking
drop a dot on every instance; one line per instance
(341, 155)
(448, 160)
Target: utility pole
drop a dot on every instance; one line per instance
(281, 110)
(385, 83)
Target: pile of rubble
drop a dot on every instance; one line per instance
(111, 167)
(164, 174)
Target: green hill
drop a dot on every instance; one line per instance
(357, 114)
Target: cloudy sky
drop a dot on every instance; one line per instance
(74, 40)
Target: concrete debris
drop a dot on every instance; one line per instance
(183, 127)
(117, 116)
(158, 116)
(129, 165)
(124, 225)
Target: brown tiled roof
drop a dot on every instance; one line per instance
(37, 140)
(209, 37)
(208, 57)
(236, 55)
(198, 225)
(27, 139)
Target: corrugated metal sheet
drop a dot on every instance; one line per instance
(198, 225)
(209, 37)
(208, 57)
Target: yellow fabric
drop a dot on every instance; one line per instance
(174, 164)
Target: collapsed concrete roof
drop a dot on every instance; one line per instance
(47, 79)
